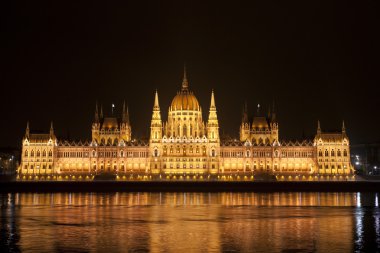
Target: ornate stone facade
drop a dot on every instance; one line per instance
(185, 147)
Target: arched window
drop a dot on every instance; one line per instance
(32, 153)
(213, 152)
(184, 130)
(121, 153)
(260, 141)
(253, 141)
(320, 153)
(248, 153)
(332, 152)
(26, 153)
(267, 141)
(178, 130)
(339, 153)
(115, 142)
(50, 153)
(44, 153)
(155, 152)
(345, 152)
(38, 153)
(93, 153)
(326, 153)
(103, 141)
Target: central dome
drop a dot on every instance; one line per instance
(185, 99)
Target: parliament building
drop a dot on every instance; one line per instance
(186, 147)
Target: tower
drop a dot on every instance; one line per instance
(212, 123)
(156, 123)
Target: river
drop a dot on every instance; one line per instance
(190, 222)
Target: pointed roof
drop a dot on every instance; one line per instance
(185, 83)
(319, 128)
(125, 114)
(51, 129)
(156, 105)
(212, 104)
(27, 130)
(96, 112)
(343, 127)
(245, 113)
(101, 111)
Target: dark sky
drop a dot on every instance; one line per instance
(317, 59)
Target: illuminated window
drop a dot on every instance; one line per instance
(326, 153)
(332, 153)
(50, 153)
(345, 152)
(339, 153)
(26, 152)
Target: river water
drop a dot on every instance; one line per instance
(190, 222)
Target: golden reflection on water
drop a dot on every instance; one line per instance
(173, 222)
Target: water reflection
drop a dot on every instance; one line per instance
(189, 222)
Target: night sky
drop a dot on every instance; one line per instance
(316, 59)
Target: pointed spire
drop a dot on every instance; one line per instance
(51, 129)
(27, 130)
(258, 110)
(185, 83)
(273, 115)
(156, 104)
(319, 128)
(125, 116)
(343, 127)
(96, 113)
(212, 104)
(101, 111)
(245, 113)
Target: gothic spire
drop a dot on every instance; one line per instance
(245, 113)
(27, 131)
(343, 127)
(51, 129)
(185, 83)
(96, 113)
(212, 104)
(127, 116)
(156, 104)
(273, 112)
(319, 128)
(101, 111)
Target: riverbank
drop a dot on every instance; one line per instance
(187, 186)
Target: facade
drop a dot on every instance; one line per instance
(186, 147)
